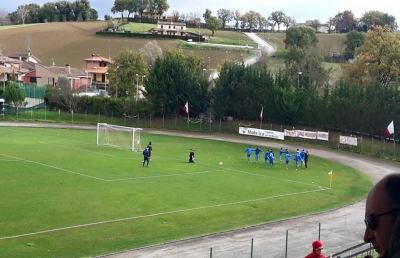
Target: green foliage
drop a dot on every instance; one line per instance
(14, 95)
(241, 92)
(354, 39)
(78, 10)
(225, 15)
(377, 18)
(213, 24)
(377, 59)
(126, 74)
(175, 79)
(278, 17)
(344, 21)
(301, 37)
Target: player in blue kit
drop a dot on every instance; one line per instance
(257, 151)
(271, 158)
(266, 158)
(280, 154)
(248, 151)
(302, 157)
(297, 159)
(287, 158)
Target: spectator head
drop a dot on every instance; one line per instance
(382, 215)
(317, 246)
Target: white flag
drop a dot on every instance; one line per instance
(186, 108)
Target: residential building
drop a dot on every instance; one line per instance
(97, 68)
(170, 28)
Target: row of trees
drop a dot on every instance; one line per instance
(342, 22)
(139, 6)
(79, 10)
(365, 99)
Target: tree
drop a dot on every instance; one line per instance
(142, 5)
(14, 95)
(251, 19)
(207, 14)
(377, 59)
(175, 15)
(175, 79)
(377, 18)
(161, 6)
(354, 39)
(315, 24)
(344, 21)
(119, 7)
(302, 64)
(213, 24)
(302, 37)
(278, 17)
(331, 25)
(236, 16)
(289, 22)
(124, 74)
(22, 13)
(225, 16)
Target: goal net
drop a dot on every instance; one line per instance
(118, 136)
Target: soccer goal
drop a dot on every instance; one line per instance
(118, 136)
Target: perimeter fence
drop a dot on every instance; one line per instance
(376, 146)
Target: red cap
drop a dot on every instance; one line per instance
(317, 244)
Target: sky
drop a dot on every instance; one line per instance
(301, 10)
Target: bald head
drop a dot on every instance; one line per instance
(381, 211)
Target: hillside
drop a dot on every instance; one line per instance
(71, 42)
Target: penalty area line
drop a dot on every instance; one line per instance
(160, 214)
(161, 176)
(51, 166)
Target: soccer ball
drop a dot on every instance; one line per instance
(221, 163)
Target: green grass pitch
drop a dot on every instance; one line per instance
(63, 196)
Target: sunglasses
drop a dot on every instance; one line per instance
(371, 220)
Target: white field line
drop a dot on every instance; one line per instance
(278, 178)
(160, 214)
(90, 151)
(51, 166)
(161, 176)
(18, 159)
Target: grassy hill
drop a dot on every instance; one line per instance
(327, 43)
(71, 42)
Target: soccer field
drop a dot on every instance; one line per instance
(63, 196)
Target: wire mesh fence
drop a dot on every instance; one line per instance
(370, 145)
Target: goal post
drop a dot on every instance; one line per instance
(118, 136)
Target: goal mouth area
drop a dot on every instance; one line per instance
(121, 137)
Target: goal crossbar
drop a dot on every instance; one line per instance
(118, 136)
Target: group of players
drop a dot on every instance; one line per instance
(300, 157)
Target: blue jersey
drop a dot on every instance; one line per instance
(266, 156)
(287, 156)
(258, 151)
(302, 155)
(249, 151)
(280, 153)
(297, 157)
(271, 158)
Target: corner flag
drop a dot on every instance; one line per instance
(330, 172)
(261, 113)
(389, 130)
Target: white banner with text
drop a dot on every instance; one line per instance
(348, 140)
(323, 136)
(262, 133)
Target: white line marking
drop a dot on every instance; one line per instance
(18, 159)
(159, 214)
(51, 166)
(160, 176)
(277, 178)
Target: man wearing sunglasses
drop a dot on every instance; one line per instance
(382, 218)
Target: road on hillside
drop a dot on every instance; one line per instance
(340, 228)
